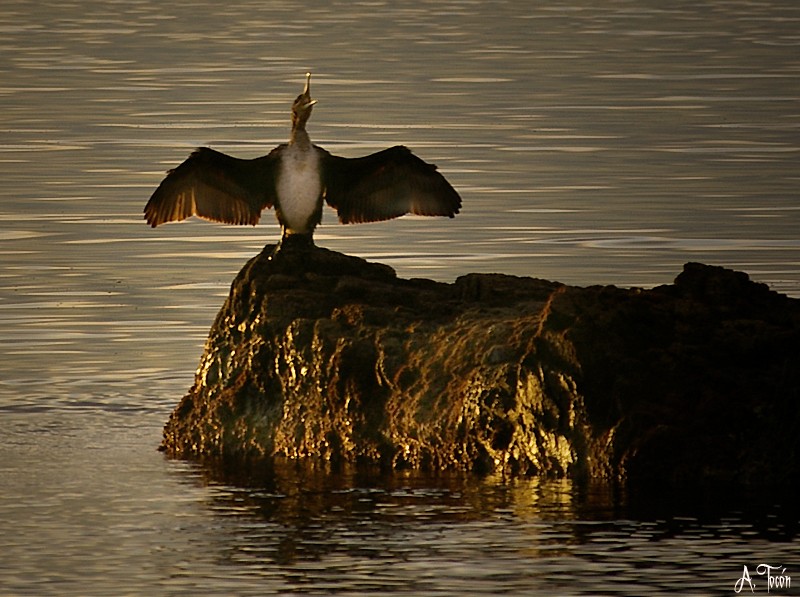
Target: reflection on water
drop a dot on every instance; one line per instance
(592, 143)
(87, 511)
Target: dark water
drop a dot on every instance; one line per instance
(89, 508)
(592, 144)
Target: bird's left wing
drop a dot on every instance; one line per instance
(386, 185)
(215, 186)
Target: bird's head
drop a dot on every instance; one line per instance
(301, 109)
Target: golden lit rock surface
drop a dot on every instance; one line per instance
(319, 355)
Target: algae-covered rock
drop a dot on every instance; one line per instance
(321, 355)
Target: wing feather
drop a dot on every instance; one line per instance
(386, 185)
(215, 186)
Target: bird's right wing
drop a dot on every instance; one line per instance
(216, 187)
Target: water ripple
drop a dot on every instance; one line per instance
(592, 143)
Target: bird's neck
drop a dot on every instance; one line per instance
(300, 138)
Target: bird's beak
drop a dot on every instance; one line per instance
(307, 92)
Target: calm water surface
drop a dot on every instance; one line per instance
(591, 144)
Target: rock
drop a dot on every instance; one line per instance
(321, 355)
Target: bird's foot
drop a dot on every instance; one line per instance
(294, 242)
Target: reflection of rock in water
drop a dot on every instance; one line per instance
(318, 354)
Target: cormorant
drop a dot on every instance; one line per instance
(294, 178)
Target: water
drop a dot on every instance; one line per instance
(88, 510)
(591, 144)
